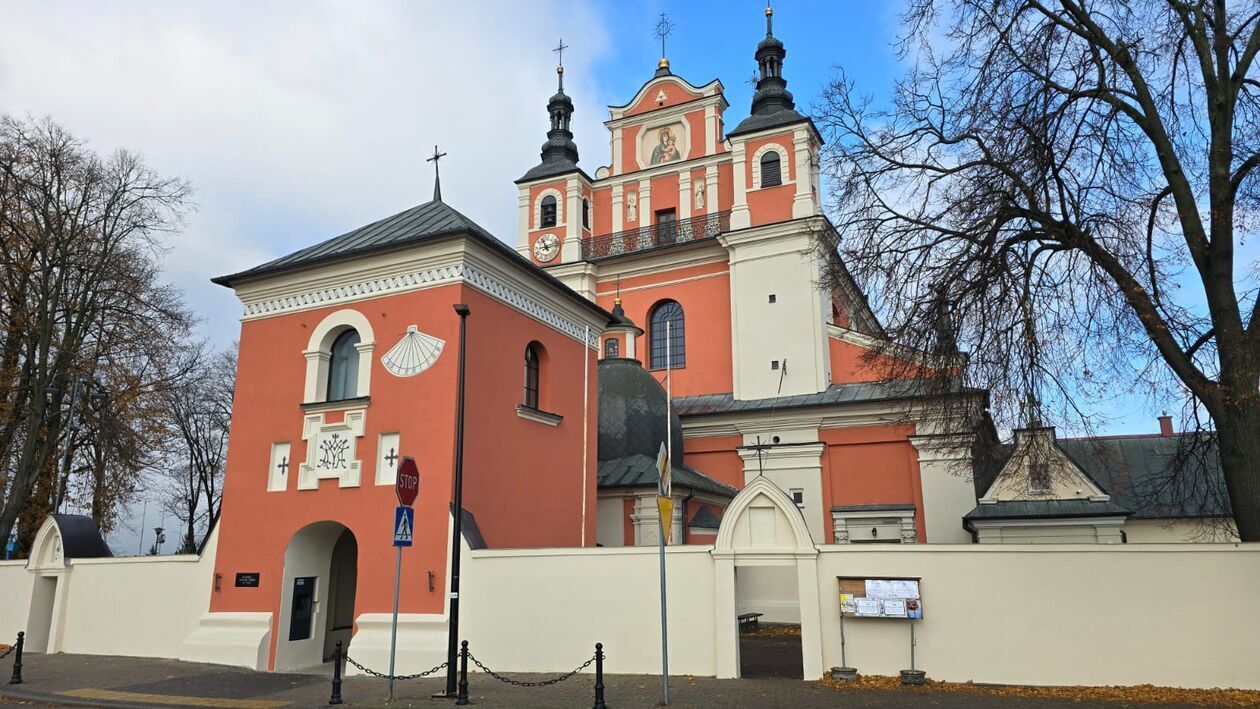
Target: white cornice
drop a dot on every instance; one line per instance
(420, 268)
(633, 176)
(926, 359)
(709, 90)
(630, 265)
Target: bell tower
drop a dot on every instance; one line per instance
(555, 195)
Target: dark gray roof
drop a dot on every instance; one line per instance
(874, 508)
(640, 471)
(1047, 509)
(632, 413)
(469, 530)
(552, 168)
(710, 404)
(429, 221)
(705, 519)
(1158, 477)
(1155, 477)
(765, 121)
(80, 537)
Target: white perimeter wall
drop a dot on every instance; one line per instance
(1172, 615)
(15, 596)
(544, 610)
(143, 606)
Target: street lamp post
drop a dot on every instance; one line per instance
(453, 629)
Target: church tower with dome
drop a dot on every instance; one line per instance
(711, 235)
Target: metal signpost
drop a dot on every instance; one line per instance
(407, 486)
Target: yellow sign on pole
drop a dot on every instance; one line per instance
(665, 505)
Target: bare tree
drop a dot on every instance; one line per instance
(1073, 182)
(80, 235)
(199, 413)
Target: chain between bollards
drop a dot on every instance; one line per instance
(336, 681)
(599, 677)
(17, 659)
(462, 699)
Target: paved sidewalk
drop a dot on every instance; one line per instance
(98, 681)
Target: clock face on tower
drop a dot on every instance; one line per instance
(546, 247)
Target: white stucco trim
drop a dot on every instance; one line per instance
(784, 175)
(319, 346)
(849, 526)
(346, 432)
(561, 208)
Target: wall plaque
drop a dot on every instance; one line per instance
(248, 579)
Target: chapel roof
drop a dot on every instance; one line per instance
(430, 221)
(1154, 477)
(80, 537)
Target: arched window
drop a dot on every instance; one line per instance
(532, 373)
(771, 175)
(547, 216)
(343, 366)
(667, 328)
(586, 213)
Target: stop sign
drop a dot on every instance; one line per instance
(407, 484)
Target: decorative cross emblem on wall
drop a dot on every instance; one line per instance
(391, 458)
(283, 465)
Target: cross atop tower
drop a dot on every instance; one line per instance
(663, 29)
(559, 50)
(437, 176)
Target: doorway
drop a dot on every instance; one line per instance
(39, 622)
(318, 592)
(770, 640)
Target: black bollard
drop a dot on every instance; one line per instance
(336, 685)
(17, 659)
(599, 677)
(462, 699)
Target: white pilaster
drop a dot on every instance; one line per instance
(645, 203)
(571, 249)
(710, 130)
(616, 151)
(522, 242)
(618, 210)
(740, 218)
(684, 194)
(803, 201)
(711, 189)
(945, 482)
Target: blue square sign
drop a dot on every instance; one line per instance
(404, 526)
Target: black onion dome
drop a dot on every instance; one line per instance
(620, 319)
(559, 155)
(632, 406)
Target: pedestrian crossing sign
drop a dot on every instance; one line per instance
(404, 526)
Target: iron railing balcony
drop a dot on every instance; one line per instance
(655, 236)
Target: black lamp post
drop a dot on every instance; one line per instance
(452, 646)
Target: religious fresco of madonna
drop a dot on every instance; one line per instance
(662, 144)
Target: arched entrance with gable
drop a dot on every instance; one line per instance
(763, 528)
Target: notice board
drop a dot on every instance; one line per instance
(894, 597)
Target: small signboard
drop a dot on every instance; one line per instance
(247, 579)
(407, 482)
(404, 526)
(886, 597)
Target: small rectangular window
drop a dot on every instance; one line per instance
(612, 347)
(1039, 477)
(798, 497)
(773, 298)
(666, 226)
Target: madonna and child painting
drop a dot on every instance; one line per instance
(666, 148)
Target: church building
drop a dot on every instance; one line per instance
(673, 295)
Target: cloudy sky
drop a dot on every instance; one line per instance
(296, 120)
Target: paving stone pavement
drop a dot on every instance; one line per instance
(101, 681)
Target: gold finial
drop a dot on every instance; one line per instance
(617, 300)
(769, 10)
(663, 63)
(560, 69)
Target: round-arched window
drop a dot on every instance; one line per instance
(343, 367)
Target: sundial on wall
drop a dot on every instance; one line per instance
(413, 354)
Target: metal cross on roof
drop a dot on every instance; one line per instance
(437, 176)
(752, 80)
(559, 50)
(663, 29)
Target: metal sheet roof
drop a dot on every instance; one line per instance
(1042, 509)
(640, 471)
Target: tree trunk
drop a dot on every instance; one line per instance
(1238, 436)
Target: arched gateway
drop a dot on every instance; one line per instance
(317, 605)
(763, 528)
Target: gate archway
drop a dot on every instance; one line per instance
(318, 589)
(763, 528)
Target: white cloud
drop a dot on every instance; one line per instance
(296, 121)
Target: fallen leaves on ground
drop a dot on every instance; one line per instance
(774, 630)
(1142, 693)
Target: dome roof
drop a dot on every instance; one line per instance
(632, 413)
